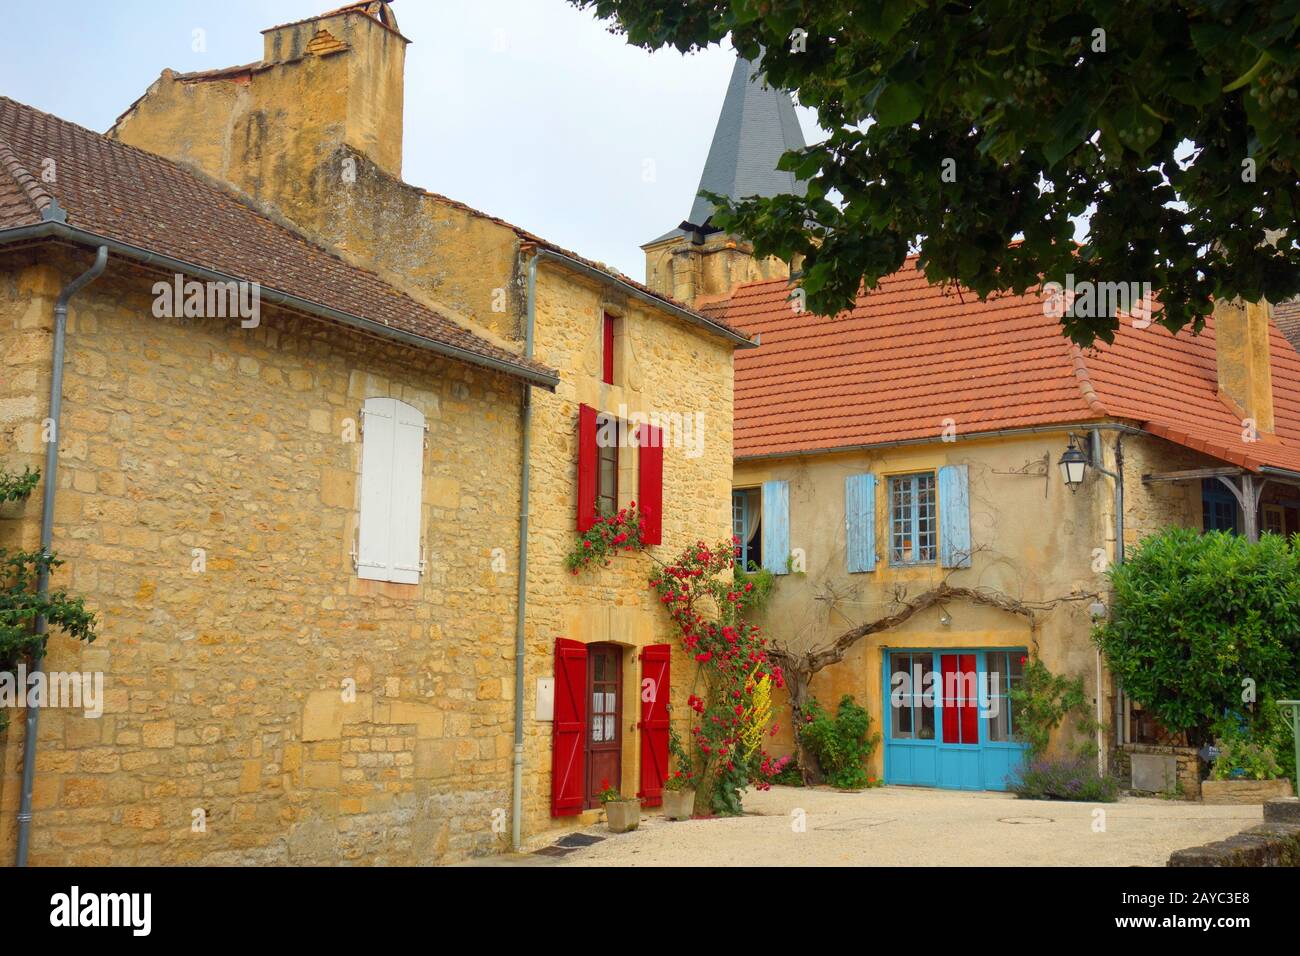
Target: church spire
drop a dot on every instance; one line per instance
(756, 126)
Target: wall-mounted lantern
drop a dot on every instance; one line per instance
(1073, 465)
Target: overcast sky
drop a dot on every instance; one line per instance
(526, 109)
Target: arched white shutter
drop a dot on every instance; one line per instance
(392, 475)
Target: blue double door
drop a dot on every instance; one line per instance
(949, 720)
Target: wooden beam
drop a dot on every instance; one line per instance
(1227, 471)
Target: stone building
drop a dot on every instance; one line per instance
(914, 442)
(309, 415)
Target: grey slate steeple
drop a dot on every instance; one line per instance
(757, 124)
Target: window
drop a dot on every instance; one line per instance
(911, 693)
(598, 487)
(392, 482)
(607, 349)
(911, 519)
(1273, 519)
(607, 479)
(1005, 671)
(747, 526)
(1218, 507)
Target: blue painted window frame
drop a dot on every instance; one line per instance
(913, 519)
(1216, 503)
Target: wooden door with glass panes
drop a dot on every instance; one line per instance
(604, 719)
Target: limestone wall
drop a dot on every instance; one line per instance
(224, 688)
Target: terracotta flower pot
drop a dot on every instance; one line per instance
(678, 804)
(623, 815)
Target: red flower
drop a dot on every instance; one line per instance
(705, 657)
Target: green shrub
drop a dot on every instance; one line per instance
(1203, 624)
(1041, 700)
(842, 744)
(1245, 751)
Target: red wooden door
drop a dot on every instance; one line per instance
(604, 731)
(960, 699)
(654, 722)
(568, 755)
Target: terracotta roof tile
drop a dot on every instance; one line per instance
(910, 355)
(123, 193)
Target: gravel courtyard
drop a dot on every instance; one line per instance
(900, 826)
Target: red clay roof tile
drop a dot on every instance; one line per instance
(910, 355)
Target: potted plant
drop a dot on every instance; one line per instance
(679, 795)
(679, 788)
(621, 814)
(1244, 771)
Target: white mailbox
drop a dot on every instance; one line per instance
(546, 698)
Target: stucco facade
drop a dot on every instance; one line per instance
(1032, 540)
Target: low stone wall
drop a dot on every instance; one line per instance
(1161, 771)
(1229, 792)
(1275, 842)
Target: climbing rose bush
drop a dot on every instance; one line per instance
(607, 537)
(728, 723)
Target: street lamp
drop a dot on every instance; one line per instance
(1073, 464)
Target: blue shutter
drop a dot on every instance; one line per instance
(776, 526)
(860, 521)
(954, 517)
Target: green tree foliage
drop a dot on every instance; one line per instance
(956, 128)
(1206, 624)
(21, 603)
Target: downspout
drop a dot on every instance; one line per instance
(47, 533)
(1117, 476)
(521, 597)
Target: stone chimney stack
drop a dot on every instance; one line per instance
(1241, 335)
(281, 127)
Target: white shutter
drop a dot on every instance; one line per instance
(404, 506)
(374, 550)
(392, 475)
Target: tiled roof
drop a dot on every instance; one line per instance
(126, 194)
(1287, 317)
(911, 355)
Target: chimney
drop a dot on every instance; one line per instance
(324, 84)
(368, 106)
(1241, 348)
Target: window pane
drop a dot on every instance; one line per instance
(912, 525)
(902, 696)
(607, 480)
(925, 536)
(597, 729)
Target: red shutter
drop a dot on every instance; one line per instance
(654, 723)
(568, 728)
(586, 467)
(650, 495)
(608, 352)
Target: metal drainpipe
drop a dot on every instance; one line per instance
(521, 598)
(47, 531)
(1118, 477)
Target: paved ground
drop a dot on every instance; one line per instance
(893, 826)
